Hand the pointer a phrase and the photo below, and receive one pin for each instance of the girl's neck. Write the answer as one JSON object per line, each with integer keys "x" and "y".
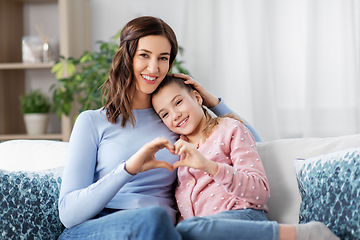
{"x": 196, "y": 136}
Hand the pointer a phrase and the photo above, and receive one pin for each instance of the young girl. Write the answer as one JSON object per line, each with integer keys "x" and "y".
{"x": 221, "y": 179}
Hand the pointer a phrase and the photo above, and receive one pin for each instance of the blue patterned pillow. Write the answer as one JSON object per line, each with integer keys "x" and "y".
{"x": 29, "y": 205}
{"x": 330, "y": 189}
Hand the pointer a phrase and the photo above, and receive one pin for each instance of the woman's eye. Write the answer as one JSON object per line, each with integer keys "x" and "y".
{"x": 143, "y": 55}
{"x": 164, "y": 58}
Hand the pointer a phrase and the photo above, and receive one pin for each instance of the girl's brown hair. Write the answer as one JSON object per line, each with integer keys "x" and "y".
{"x": 118, "y": 89}
{"x": 211, "y": 122}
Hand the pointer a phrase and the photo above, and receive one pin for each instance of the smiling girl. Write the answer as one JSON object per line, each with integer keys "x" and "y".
{"x": 222, "y": 186}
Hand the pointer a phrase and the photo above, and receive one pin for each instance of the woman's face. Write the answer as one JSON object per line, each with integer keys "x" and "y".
{"x": 151, "y": 63}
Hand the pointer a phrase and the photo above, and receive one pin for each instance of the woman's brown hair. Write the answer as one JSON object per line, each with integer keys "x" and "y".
{"x": 118, "y": 89}
{"x": 211, "y": 122}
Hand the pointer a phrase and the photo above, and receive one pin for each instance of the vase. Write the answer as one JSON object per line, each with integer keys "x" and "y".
{"x": 35, "y": 123}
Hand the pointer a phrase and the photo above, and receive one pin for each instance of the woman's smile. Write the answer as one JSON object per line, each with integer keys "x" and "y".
{"x": 149, "y": 79}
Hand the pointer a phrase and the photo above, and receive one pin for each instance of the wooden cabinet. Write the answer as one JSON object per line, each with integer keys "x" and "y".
{"x": 74, "y": 38}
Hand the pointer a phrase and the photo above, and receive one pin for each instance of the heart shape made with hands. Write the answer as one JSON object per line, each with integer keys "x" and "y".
{"x": 189, "y": 155}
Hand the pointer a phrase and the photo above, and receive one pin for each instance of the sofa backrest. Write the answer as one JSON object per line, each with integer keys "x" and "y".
{"x": 32, "y": 155}
{"x": 278, "y": 156}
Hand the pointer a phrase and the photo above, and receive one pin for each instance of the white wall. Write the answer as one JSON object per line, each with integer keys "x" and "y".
{"x": 261, "y": 47}
{"x": 109, "y": 16}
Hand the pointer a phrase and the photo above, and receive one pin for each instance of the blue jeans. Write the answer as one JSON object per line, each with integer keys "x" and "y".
{"x": 244, "y": 224}
{"x": 143, "y": 223}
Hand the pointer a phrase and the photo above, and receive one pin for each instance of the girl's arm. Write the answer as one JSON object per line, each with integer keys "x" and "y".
{"x": 80, "y": 198}
{"x": 216, "y": 105}
{"x": 191, "y": 157}
{"x": 245, "y": 177}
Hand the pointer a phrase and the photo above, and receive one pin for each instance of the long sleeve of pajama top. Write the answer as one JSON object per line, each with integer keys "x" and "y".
{"x": 94, "y": 175}
{"x": 239, "y": 183}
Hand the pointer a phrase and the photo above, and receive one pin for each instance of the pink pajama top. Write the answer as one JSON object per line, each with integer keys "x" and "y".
{"x": 239, "y": 183}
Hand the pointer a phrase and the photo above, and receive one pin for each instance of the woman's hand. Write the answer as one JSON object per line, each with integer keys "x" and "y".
{"x": 191, "y": 157}
{"x": 209, "y": 100}
{"x": 144, "y": 159}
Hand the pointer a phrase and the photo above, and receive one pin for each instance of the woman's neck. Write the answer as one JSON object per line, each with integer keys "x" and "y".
{"x": 141, "y": 100}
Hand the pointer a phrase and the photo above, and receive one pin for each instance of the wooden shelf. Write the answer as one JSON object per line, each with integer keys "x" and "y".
{"x": 74, "y": 26}
{"x": 36, "y": 1}
{"x": 25, "y": 136}
{"x": 22, "y": 65}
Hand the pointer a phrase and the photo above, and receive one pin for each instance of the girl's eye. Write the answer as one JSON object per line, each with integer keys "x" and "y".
{"x": 164, "y": 115}
{"x": 178, "y": 102}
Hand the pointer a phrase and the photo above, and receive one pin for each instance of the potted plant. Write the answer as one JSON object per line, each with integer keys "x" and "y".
{"x": 35, "y": 107}
{"x": 85, "y": 76}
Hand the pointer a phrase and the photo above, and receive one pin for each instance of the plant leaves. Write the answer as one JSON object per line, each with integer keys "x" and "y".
{"x": 70, "y": 68}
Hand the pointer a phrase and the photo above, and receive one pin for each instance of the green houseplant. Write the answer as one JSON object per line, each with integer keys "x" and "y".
{"x": 85, "y": 76}
{"x": 35, "y": 107}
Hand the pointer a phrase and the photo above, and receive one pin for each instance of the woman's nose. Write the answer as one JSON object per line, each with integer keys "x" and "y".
{"x": 153, "y": 66}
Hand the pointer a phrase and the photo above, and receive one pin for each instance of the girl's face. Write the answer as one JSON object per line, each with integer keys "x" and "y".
{"x": 180, "y": 110}
{"x": 151, "y": 63}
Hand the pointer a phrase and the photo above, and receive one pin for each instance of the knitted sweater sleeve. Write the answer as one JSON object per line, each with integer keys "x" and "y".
{"x": 245, "y": 178}
{"x": 80, "y": 198}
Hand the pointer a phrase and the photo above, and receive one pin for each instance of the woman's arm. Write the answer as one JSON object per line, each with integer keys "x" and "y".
{"x": 222, "y": 109}
{"x": 80, "y": 198}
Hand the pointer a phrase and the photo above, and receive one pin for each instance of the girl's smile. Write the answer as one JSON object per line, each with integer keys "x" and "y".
{"x": 183, "y": 122}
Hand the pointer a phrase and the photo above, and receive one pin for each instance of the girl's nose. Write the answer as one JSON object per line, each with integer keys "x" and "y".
{"x": 177, "y": 115}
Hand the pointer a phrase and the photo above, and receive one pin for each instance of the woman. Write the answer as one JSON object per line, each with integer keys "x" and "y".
{"x": 112, "y": 188}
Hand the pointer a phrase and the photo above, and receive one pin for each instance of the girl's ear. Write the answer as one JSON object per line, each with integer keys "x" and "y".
{"x": 198, "y": 97}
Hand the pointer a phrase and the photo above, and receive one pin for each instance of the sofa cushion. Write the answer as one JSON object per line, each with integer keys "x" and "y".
{"x": 330, "y": 190}
{"x": 30, "y": 177}
{"x": 277, "y": 157}
{"x": 32, "y": 155}
{"x": 29, "y": 205}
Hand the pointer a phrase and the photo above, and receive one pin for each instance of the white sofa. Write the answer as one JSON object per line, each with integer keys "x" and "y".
{"x": 278, "y": 159}
{"x": 43, "y": 156}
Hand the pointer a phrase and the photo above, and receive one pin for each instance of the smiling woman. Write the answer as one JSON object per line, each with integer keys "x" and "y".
{"x": 151, "y": 64}
{"x": 103, "y": 193}
{"x": 124, "y": 63}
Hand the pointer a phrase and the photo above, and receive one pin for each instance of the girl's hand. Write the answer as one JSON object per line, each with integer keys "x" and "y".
{"x": 209, "y": 100}
{"x": 191, "y": 157}
{"x": 144, "y": 159}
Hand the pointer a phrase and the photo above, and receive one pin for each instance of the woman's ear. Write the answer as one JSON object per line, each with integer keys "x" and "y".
{"x": 198, "y": 97}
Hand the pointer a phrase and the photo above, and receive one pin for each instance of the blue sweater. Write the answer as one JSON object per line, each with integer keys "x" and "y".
{"x": 94, "y": 176}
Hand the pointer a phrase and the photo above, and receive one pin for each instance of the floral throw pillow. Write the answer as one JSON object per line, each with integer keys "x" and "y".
{"x": 29, "y": 205}
{"x": 330, "y": 189}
